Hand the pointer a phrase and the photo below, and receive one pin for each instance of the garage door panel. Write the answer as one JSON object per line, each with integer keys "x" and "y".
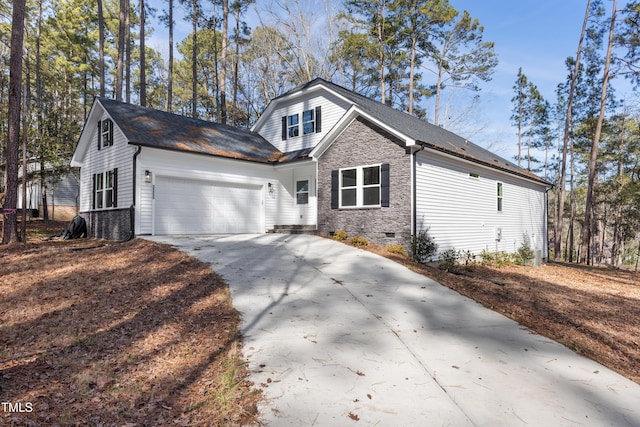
{"x": 185, "y": 206}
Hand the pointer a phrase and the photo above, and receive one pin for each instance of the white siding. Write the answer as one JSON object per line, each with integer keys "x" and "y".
{"x": 281, "y": 207}
{"x": 277, "y": 206}
{"x": 119, "y": 155}
{"x": 333, "y": 108}
{"x": 461, "y": 211}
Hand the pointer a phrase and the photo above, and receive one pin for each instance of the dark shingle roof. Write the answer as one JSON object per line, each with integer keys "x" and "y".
{"x": 159, "y": 129}
{"x": 425, "y": 133}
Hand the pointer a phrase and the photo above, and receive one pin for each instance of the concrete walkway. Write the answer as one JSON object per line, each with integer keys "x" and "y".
{"x": 337, "y": 336}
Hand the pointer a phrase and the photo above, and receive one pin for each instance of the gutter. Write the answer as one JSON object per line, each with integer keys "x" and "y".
{"x": 484, "y": 163}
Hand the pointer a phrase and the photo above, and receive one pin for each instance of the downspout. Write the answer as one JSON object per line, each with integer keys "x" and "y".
{"x": 414, "y": 209}
{"x": 414, "y": 186}
{"x": 546, "y": 219}
{"x": 132, "y": 209}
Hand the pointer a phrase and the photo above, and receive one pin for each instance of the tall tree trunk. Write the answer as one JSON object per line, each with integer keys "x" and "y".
{"x": 170, "y": 79}
{"x": 25, "y": 125}
{"x": 572, "y": 202}
{"x": 194, "y": 52}
{"x": 10, "y": 232}
{"x": 101, "y": 46}
{"x": 120, "y": 60}
{"x": 381, "y": 55}
{"x": 412, "y": 66}
{"x": 40, "y": 115}
{"x": 563, "y": 162}
{"x": 143, "y": 63}
{"x": 436, "y": 113}
{"x": 236, "y": 60}
{"x": 593, "y": 160}
{"x": 127, "y": 49}
{"x": 223, "y": 59}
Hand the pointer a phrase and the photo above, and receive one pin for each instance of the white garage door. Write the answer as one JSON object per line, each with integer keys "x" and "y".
{"x": 184, "y": 206}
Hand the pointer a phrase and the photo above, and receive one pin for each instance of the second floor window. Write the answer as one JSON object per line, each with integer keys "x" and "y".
{"x": 308, "y": 122}
{"x": 292, "y": 126}
{"x": 105, "y": 133}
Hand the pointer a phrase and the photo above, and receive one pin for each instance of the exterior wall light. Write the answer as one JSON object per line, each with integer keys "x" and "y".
{"x": 147, "y": 176}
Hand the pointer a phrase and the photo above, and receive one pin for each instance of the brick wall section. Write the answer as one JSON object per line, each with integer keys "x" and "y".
{"x": 112, "y": 224}
{"x": 363, "y": 143}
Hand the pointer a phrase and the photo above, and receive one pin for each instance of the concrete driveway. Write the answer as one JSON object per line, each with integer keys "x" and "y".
{"x": 337, "y": 336}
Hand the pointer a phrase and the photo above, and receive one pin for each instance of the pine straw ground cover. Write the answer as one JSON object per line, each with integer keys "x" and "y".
{"x": 120, "y": 334}
{"x": 593, "y": 311}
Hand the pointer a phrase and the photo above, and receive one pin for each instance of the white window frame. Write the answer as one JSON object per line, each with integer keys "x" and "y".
{"x": 106, "y": 133}
{"x": 293, "y": 129}
{"x": 360, "y": 187}
{"x": 300, "y": 192}
{"x": 499, "y": 196}
{"x": 104, "y": 192}
{"x": 310, "y": 121}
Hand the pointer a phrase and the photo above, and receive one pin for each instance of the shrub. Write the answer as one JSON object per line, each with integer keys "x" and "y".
{"x": 340, "y": 235}
{"x": 359, "y": 241}
{"x": 395, "y": 249}
{"x": 422, "y": 246}
{"x": 525, "y": 254}
{"x": 448, "y": 259}
{"x": 495, "y": 259}
{"x": 467, "y": 259}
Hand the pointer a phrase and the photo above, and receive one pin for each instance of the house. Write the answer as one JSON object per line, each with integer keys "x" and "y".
{"x": 321, "y": 157}
{"x": 61, "y": 191}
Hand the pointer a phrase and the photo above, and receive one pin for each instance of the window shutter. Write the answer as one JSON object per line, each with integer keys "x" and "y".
{"x": 318, "y": 119}
{"x": 284, "y": 128}
{"x": 384, "y": 185}
{"x": 93, "y": 194}
{"x": 115, "y": 188}
{"x": 335, "y": 189}
{"x": 99, "y": 136}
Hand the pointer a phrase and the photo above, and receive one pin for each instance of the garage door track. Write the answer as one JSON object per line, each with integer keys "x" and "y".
{"x": 339, "y": 336}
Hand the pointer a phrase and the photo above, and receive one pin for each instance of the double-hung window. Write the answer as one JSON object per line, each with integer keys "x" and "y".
{"x": 302, "y": 192}
{"x": 308, "y": 122}
{"x": 105, "y": 189}
{"x": 105, "y": 133}
{"x": 293, "y": 129}
{"x": 360, "y": 186}
{"x": 499, "y": 194}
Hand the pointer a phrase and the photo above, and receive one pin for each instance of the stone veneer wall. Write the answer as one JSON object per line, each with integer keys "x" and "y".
{"x": 363, "y": 143}
{"x": 111, "y": 224}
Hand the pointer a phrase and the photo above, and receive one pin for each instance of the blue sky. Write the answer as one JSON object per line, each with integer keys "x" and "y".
{"x": 535, "y": 35}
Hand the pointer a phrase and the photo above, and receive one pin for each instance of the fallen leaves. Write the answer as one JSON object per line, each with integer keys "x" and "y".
{"x": 135, "y": 333}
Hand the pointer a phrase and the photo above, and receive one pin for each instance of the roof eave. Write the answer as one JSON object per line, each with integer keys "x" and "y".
{"x": 523, "y": 174}
{"x": 202, "y": 153}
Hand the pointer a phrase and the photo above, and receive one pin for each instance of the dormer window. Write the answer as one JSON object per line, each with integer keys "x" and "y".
{"x": 310, "y": 123}
{"x": 105, "y": 133}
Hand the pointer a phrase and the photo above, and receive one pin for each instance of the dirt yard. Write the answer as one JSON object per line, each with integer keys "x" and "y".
{"x": 125, "y": 334}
